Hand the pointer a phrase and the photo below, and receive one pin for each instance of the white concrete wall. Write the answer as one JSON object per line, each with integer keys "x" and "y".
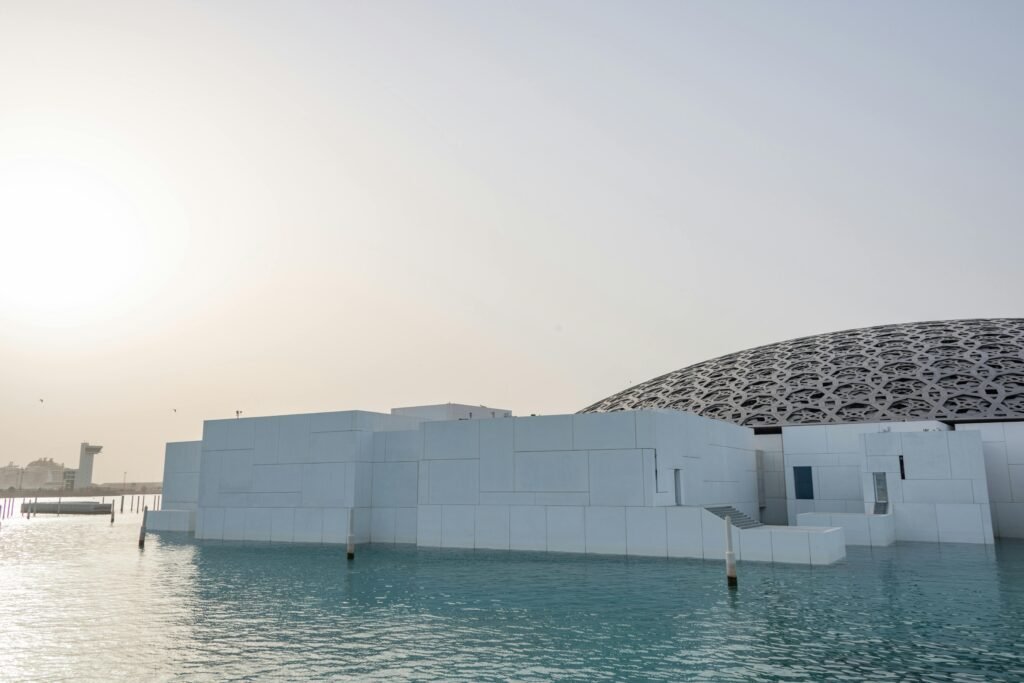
{"x": 1003, "y": 447}
{"x": 858, "y": 528}
{"x": 181, "y": 475}
{"x": 944, "y": 497}
{"x": 835, "y": 453}
{"x": 452, "y": 411}
{"x": 180, "y": 498}
{"x": 598, "y": 483}
{"x": 292, "y": 478}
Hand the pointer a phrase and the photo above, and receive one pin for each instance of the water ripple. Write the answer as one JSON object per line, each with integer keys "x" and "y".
{"x": 78, "y": 600}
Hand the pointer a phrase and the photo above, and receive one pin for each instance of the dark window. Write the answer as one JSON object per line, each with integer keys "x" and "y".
{"x": 803, "y": 483}
{"x": 903, "y": 471}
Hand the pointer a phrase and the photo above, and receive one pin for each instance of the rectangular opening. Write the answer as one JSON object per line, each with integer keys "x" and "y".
{"x": 803, "y": 483}
{"x": 881, "y": 488}
{"x": 903, "y": 471}
{"x": 679, "y": 486}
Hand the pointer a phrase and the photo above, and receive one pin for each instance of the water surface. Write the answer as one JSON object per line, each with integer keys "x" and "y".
{"x": 78, "y": 600}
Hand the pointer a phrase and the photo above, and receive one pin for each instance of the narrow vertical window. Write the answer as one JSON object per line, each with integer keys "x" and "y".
{"x": 903, "y": 471}
{"x": 803, "y": 483}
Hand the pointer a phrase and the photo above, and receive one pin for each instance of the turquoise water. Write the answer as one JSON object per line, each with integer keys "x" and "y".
{"x": 79, "y": 600}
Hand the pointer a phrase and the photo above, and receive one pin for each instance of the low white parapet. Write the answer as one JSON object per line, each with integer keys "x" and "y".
{"x": 781, "y": 544}
{"x": 793, "y": 545}
{"x": 171, "y": 520}
{"x": 860, "y": 528}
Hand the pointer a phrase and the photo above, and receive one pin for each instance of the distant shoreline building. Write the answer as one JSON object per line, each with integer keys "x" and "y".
{"x": 45, "y": 474}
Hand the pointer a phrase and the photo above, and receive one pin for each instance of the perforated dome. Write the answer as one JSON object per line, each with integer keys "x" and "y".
{"x": 956, "y": 370}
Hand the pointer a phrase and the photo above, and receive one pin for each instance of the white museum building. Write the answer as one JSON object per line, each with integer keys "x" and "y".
{"x": 866, "y": 437}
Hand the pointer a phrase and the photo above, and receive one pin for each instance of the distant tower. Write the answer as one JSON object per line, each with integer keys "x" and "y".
{"x": 83, "y": 478}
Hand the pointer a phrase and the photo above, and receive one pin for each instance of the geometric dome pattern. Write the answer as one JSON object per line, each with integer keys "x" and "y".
{"x": 955, "y": 370}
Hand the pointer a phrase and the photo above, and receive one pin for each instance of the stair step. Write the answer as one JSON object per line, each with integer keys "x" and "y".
{"x": 736, "y": 518}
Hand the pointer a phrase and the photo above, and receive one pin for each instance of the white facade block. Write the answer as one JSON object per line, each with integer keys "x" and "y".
{"x": 566, "y": 530}
{"x": 336, "y": 447}
{"x": 605, "y": 530}
{"x": 551, "y": 471}
{"x": 240, "y": 434}
{"x": 1014, "y": 433}
{"x": 282, "y": 525}
{"x": 215, "y": 435}
{"x": 257, "y": 524}
{"x": 293, "y": 439}
{"x": 343, "y": 421}
{"x": 960, "y": 523}
{"x": 383, "y": 521}
{"x": 277, "y": 478}
{"x": 883, "y": 443}
{"x": 616, "y": 478}
{"x": 593, "y": 431}
{"x": 265, "y": 447}
{"x": 839, "y": 483}
{"x": 395, "y": 484}
{"x": 757, "y": 545}
{"x": 236, "y": 471}
{"x": 848, "y": 438}
{"x": 497, "y": 459}
{"x": 646, "y": 532}
{"x": 451, "y": 440}
{"x": 1008, "y": 519}
{"x": 561, "y": 498}
{"x": 916, "y": 522}
{"x": 403, "y": 446}
{"x": 508, "y": 498}
{"x": 327, "y": 485}
{"x": 492, "y": 527}
{"x": 527, "y": 528}
{"x": 997, "y": 472}
{"x": 234, "y": 524}
{"x": 546, "y": 433}
{"x": 171, "y": 520}
{"x": 458, "y": 526}
{"x": 428, "y": 525}
{"x": 809, "y": 439}
{"x": 684, "y": 535}
{"x": 937, "y": 491}
{"x": 335, "y": 525}
{"x": 827, "y": 547}
{"x": 790, "y": 546}
{"x": 405, "y": 525}
{"x": 926, "y": 455}
{"x": 211, "y": 522}
{"x": 308, "y": 525}
{"x": 1016, "y": 473}
{"x": 882, "y": 529}
{"x": 453, "y": 482}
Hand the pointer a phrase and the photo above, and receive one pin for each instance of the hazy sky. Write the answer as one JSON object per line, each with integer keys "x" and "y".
{"x": 304, "y": 206}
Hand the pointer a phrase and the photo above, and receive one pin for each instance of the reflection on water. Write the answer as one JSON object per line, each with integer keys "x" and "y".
{"x": 78, "y": 599}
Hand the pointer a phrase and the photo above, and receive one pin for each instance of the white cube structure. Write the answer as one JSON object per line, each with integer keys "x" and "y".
{"x": 626, "y": 483}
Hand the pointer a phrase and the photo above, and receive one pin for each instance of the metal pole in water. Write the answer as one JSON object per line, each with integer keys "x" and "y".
{"x": 35, "y": 507}
{"x": 142, "y": 531}
{"x": 58, "y": 506}
{"x": 730, "y": 558}
{"x": 111, "y": 510}
{"x": 351, "y": 539}
{"x": 122, "y": 503}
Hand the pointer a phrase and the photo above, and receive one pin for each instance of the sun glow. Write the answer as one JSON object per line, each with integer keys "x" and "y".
{"x": 74, "y": 246}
